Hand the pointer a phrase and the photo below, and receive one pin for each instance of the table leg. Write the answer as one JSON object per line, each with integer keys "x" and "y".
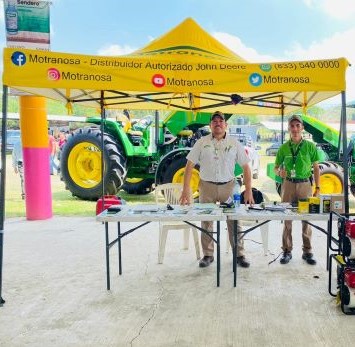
{"x": 328, "y": 242}
{"x": 107, "y": 257}
{"x": 235, "y": 250}
{"x": 264, "y": 230}
{"x": 218, "y": 253}
{"x": 2, "y": 301}
{"x": 119, "y": 248}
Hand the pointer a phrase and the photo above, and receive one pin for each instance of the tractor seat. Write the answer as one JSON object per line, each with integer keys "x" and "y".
{"x": 124, "y": 121}
{"x": 135, "y": 136}
{"x": 186, "y": 133}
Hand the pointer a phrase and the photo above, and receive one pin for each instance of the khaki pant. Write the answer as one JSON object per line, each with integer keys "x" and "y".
{"x": 211, "y": 193}
{"x": 292, "y": 192}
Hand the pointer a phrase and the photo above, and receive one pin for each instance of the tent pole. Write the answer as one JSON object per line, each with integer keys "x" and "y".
{"x": 282, "y": 120}
{"x": 103, "y": 118}
{"x": 2, "y": 182}
{"x": 345, "y": 151}
{"x": 157, "y": 128}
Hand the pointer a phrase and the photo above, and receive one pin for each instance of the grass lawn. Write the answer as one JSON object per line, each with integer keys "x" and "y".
{"x": 64, "y": 204}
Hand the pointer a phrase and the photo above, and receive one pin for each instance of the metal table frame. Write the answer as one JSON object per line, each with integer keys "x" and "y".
{"x": 264, "y": 216}
{"x": 127, "y": 214}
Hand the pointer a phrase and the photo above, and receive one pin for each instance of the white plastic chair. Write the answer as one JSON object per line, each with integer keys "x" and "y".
{"x": 264, "y": 231}
{"x": 171, "y": 193}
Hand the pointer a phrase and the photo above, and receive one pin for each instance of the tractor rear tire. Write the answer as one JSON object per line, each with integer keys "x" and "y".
{"x": 81, "y": 164}
{"x": 138, "y": 186}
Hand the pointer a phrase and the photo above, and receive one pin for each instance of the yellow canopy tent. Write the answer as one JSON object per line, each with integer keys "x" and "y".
{"x": 184, "y": 69}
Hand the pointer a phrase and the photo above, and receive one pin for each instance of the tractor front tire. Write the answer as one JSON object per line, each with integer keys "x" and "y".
{"x": 331, "y": 178}
{"x": 138, "y": 186}
{"x": 352, "y": 189}
{"x": 174, "y": 172}
{"x": 278, "y": 188}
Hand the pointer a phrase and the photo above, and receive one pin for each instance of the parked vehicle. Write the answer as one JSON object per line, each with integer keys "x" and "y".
{"x": 136, "y": 157}
{"x": 272, "y": 150}
{"x": 12, "y": 136}
{"x": 251, "y": 151}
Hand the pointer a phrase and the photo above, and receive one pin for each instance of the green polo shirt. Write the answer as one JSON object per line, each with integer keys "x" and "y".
{"x": 305, "y": 158}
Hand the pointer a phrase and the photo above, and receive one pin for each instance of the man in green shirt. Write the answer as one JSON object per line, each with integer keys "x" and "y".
{"x": 294, "y": 162}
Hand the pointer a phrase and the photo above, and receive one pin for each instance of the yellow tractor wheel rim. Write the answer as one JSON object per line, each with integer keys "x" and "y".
{"x": 195, "y": 180}
{"x": 330, "y": 184}
{"x": 84, "y": 165}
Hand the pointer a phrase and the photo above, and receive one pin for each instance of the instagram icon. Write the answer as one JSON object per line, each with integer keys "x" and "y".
{"x": 53, "y": 74}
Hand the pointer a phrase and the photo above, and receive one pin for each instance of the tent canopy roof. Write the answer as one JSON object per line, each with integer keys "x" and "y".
{"x": 184, "y": 69}
{"x": 188, "y": 38}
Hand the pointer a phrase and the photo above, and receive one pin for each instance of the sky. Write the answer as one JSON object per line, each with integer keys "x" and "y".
{"x": 257, "y": 30}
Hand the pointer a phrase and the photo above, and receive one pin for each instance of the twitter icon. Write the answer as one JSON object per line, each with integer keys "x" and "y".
{"x": 255, "y": 79}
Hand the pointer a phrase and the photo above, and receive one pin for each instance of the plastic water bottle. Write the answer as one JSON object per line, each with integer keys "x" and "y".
{"x": 236, "y": 194}
{"x": 11, "y": 18}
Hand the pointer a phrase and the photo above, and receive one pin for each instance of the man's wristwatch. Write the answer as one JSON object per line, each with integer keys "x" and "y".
{"x": 318, "y": 188}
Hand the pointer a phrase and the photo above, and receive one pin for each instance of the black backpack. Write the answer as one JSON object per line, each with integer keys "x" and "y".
{"x": 257, "y": 195}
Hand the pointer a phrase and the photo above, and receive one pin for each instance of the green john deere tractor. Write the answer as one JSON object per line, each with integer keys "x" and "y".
{"x": 331, "y": 158}
{"x": 135, "y": 158}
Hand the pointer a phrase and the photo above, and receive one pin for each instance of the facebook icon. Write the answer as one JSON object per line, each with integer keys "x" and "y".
{"x": 18, "y": 58}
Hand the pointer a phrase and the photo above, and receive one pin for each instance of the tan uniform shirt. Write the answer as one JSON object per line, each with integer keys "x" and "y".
{"x": 217, "y": 159}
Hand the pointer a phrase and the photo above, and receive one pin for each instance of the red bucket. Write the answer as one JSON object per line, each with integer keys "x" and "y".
{"x": 108, "y": 200}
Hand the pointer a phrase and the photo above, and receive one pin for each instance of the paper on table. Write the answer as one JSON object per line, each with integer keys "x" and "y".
{"x": 204, "y": 206}
{"x": 256, "y": 208}
{"x": 142, "y": 209}
{"x": 179, "y": 210}
{"x": 205, "y": 211}
{"x": 275, "y": 208}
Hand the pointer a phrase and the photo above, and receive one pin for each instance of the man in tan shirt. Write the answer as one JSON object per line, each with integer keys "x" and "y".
{"x": 217, "y": 154}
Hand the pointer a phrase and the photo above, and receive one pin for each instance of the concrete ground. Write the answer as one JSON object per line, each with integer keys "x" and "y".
{"x": 54, "y": 284}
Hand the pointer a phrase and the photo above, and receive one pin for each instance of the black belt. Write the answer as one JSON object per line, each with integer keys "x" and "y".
{"x": 297, "y": 180}
{"x": 218, "y": 183}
